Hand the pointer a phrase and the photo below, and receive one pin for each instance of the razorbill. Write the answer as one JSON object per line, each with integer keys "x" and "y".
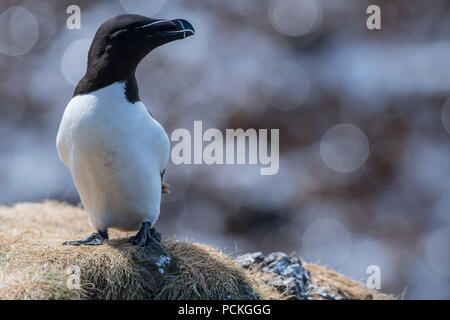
{"x": 115, "y": 150}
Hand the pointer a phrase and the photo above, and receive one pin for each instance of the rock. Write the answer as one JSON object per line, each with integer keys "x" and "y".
{"x": 289, "y": 286}
{"x": 290, "y": 277}
{"x": 323, "y": 293}
{"x": 247, "y": 260}
{"x": 276, "y": 262}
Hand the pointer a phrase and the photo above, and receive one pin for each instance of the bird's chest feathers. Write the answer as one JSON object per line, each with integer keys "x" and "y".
{"x": 103, "y": 127}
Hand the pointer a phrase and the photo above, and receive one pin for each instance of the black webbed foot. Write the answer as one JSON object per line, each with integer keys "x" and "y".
{"x": 146, "y": 235}
{"x": 94, "y": 239}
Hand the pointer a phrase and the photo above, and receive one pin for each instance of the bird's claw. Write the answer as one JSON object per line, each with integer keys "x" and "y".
{"x": 94, "y": 239}
{"x": 145, "y": 236}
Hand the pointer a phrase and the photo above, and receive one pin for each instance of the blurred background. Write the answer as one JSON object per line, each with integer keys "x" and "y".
{"x": 363, "y": 115}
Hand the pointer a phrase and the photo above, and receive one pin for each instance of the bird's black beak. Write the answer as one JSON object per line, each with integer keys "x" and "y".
{"x": 169, "y": 29}
{"x": 185, "y": 28}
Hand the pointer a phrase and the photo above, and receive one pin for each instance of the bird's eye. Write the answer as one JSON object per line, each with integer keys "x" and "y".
{"x": 137, "y": 29}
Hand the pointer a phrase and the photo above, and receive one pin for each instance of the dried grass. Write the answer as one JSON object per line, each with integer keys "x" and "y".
{"x": 337, "y": 284}
{"x": 33, "y": 264}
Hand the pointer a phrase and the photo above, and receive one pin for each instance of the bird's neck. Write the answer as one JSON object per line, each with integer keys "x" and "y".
{"x": 101, "y": 75}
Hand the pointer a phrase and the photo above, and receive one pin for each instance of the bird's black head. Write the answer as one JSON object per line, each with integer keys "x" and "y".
{"x": 128, "y": 38}
{"x": 122, "y": 42}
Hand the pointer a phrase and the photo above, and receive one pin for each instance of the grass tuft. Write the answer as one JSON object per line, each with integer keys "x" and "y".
{"x": 35, "y": 265}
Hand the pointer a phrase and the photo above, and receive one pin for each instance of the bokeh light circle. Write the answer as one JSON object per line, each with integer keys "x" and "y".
{"x": 445, "y": 115}
{"x": 294, "y": 17}
{"x": 144, "y": 7}
{"x": 247, "y": 7}
{"x": 326, "y": 241}
{"x": 19, "y": 31}
{"x": 74, "y": 60}
{"x": 344, "y": 148}
{"x": 437, "y": 251}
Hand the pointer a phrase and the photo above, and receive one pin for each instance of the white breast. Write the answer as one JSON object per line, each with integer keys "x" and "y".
{"x": 116, "y": 152}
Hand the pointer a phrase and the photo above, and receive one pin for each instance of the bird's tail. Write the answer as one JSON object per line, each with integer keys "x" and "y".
{"x": 165, "y": 187}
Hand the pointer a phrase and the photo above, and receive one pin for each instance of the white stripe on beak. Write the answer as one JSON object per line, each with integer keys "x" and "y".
{"x": 151, "y": 24}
